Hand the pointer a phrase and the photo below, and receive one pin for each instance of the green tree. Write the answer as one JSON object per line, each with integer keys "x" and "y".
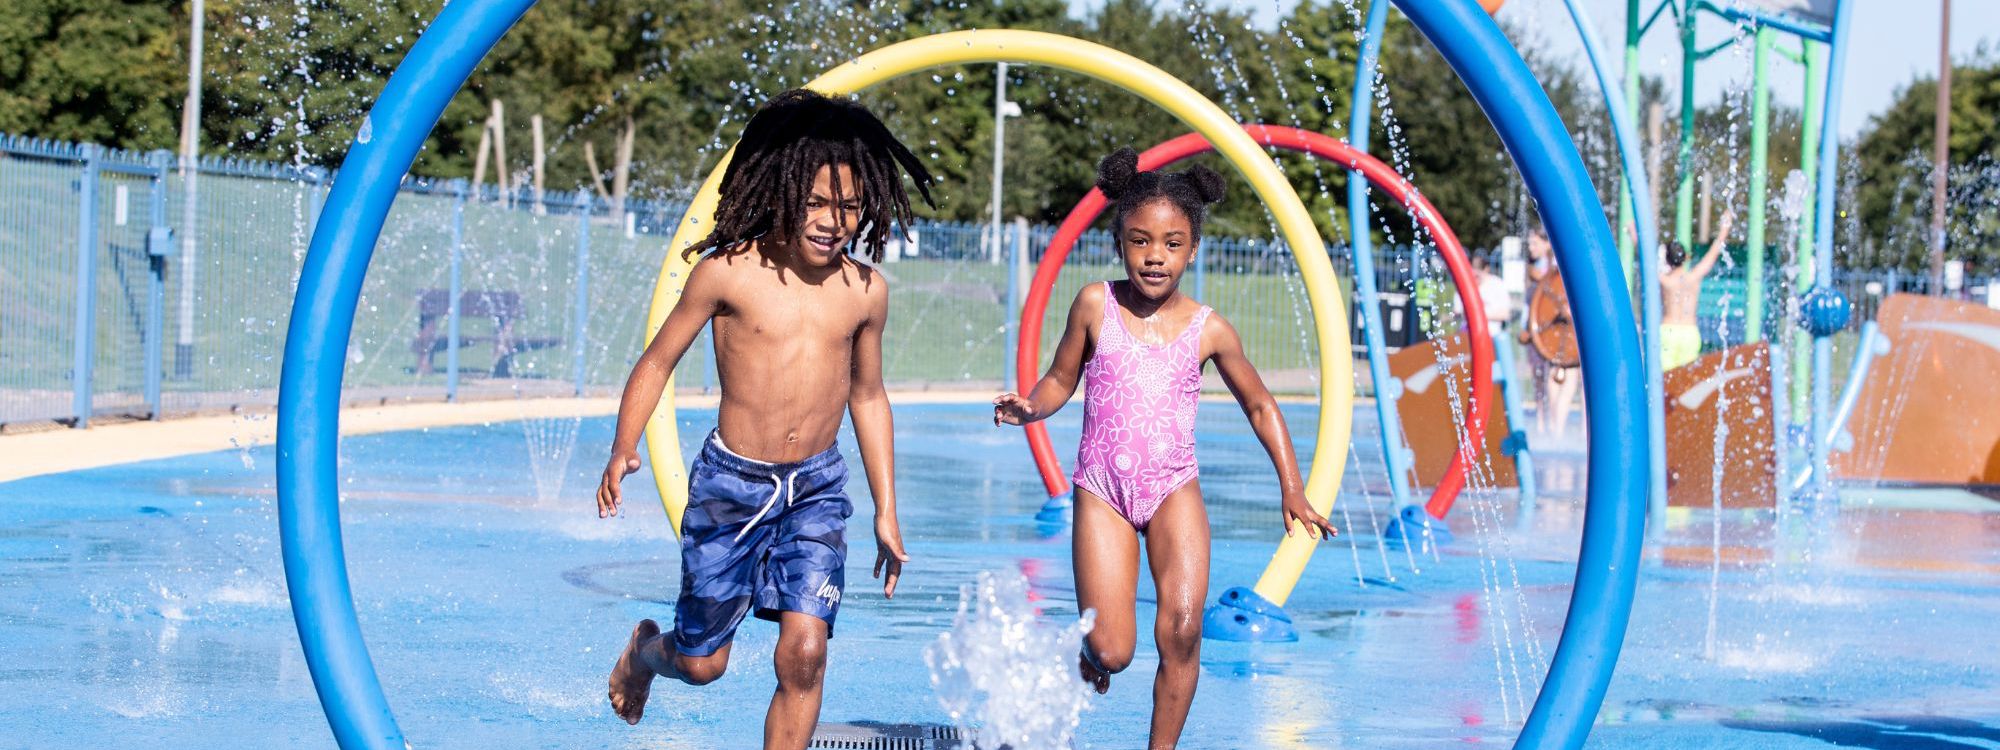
{"x": 106, "y": 71}
{"x": 292, "y": 83}
{"x": 593, "y": 68}
{"x": 1722, "y": 157}
{"x": 1430, "y": 129}
{"x": 1893, "y": 194}
{"x": 1317, "y": 46}
{"x": 946, "y": 115}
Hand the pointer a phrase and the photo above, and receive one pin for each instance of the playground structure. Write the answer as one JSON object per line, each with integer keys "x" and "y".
{"x": 1610, "y": 354}
{"x": 415, "y": 96}
{"x": 1823, "y": 310}
{"x": 1779, "y": 451}
{"x": 1765, "y": 601}
{"x": 1635, "y": 239}
{"x": 1722, "y": 398}
{"x": 1908, "y": 433}
{"x": 1943, "y": 433}
{"x": 1751, "y": 455}
{"x": 1426, "y": 373}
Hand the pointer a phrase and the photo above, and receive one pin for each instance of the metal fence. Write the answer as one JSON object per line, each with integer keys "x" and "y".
{"x": 131, "y": 286}
{"x": 1722, "y": 313}
{"x": 82, "y": 271}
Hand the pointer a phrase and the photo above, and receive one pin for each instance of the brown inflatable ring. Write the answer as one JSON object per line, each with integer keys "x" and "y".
{"x": 1550, "y": 329}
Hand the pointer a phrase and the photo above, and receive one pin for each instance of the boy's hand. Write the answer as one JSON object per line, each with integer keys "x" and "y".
{"x": 1296, "y": 509}
{"x": 1728, "y": 223}
{"x": 623, "y": 462}
{"x": 1010, "y": 408}
{"x": 889, "y": 555}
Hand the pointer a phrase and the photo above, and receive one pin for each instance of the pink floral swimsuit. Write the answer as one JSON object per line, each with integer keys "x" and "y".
{"x": 1138, "y": 416}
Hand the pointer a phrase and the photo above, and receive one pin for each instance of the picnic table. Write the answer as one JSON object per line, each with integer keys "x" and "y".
{"x": 502, "y": 307}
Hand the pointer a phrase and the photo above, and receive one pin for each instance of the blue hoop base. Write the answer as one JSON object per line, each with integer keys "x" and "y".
{"x": 1416, "y": 526}
{"x": 1056, "y": 510}
{"x": 1242, "y": 615}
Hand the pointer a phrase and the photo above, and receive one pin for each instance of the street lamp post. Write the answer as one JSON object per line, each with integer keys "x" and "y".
{"x": 997, "y": 232}
{"x": 1941, "y": 150}
{"x": 190, "y": 173}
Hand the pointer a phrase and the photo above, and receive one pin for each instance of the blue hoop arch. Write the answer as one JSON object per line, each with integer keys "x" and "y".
{"x": 444, "y": 56}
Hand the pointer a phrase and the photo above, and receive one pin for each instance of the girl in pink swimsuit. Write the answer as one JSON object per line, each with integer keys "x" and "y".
{"x": 1138, "y": 346}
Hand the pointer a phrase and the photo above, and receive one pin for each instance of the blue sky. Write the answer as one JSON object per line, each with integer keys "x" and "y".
{"x": 1894, "y": 42}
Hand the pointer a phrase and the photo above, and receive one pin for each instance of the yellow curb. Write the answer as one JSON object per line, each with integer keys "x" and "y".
{"x": 57, "y": 451}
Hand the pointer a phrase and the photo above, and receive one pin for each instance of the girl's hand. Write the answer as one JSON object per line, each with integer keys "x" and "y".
{"x": 1010, "y": 408}
{"x": 1296, "y": 509}
{"x": 623, "y": 462}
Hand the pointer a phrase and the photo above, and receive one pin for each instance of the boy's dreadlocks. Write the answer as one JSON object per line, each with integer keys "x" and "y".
{"x": 785, "y": 144}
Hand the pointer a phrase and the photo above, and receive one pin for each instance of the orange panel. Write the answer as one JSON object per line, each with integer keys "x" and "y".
{"x": 1732, "y": 387}
{"x": 1928, "y": 413}
{"x": 1429, "y": 423}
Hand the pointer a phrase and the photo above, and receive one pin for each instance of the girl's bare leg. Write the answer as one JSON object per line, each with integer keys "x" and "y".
{"x": 1546, "y": 398}
{"x": 1105, "y": 552}
{"x": 1566, "y": 398}
{"x": 1177, "y": 550}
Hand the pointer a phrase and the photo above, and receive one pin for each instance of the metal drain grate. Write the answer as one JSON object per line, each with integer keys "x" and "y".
{"x": 872, "y": 736}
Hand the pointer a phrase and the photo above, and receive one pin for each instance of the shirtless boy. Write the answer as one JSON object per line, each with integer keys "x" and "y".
{"x": 798, "y": 339}
{"x": 1680, "y": 295}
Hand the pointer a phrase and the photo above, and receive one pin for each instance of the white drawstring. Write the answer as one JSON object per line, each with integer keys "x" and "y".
{"x": 787, "y": 487}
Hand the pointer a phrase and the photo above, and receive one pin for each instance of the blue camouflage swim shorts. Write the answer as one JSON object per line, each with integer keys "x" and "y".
{"x": 772, "y": 537}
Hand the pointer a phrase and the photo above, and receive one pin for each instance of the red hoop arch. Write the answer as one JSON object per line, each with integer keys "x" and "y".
{"x": 1028, "y": 355}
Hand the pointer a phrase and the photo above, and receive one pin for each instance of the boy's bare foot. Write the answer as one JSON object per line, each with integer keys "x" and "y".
{"x": 1099, "y": 679}
{"x": 631, "y": 679}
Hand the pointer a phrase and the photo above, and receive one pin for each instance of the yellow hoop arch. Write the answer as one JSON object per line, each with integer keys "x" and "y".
{"x": 1329, "y": 312}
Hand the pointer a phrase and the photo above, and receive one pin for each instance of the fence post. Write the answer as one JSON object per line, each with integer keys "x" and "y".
{"x": 316, "y": 177}
{"x": 1017, "y": 255}
{"x": 578, "y": 347}
{"x": 457, "y": 290}
{"x": 1201, "y": 276}
{"x": 190, "y": 168}
{"x": 159, "y": 244}
{"x": 86, "y": 288}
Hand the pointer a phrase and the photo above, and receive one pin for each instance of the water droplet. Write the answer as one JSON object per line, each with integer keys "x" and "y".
{"x": 367, "y": 132}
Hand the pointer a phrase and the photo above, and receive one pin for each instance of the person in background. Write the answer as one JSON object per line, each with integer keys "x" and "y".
{"x": 1680, "y": 296}
{"x": 1557, "y": 386}
{"x": 1433, "y": 299}
{"x": 1493, "y": 295}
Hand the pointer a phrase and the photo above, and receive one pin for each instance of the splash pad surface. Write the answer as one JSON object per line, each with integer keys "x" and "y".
{"x": 147, "y": 607}
{"x": 1499, "y": 79}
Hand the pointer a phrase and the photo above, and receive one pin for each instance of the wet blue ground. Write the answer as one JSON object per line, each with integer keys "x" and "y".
{"x": 144, "y": 605}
